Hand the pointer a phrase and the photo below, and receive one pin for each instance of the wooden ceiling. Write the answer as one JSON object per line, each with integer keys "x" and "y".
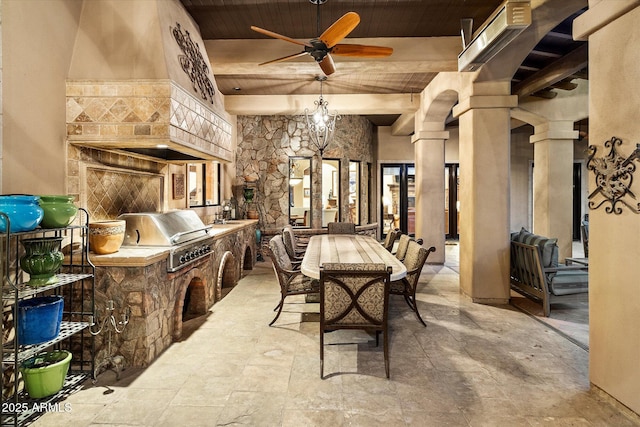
{"x": 425, "y": 35}
{"x": 232, "y": 19}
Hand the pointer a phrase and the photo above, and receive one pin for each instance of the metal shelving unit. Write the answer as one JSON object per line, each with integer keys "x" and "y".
{"x": 76, "y": 285}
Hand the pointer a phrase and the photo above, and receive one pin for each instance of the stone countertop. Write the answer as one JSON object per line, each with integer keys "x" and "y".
{"x": 142, "y": 256}
{"x": 231, "y": 226}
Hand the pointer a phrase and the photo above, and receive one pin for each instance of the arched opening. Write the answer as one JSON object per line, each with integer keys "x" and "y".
{"x": 247, "y": 262}
{"x": 194, "y": 300}
{"x": 227, "y": 275}
{"x": 191, "y": 300}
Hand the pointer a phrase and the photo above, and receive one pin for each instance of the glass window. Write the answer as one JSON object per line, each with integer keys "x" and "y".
{"x": 354, "y": 192}
{"x": 204, "y": 184}
{"x": 390, "y": 189}
{"x": 300, "y": 191}
{"x": 330, "y": 191}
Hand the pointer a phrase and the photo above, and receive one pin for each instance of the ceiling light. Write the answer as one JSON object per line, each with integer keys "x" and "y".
{"x": 320, "y": 123}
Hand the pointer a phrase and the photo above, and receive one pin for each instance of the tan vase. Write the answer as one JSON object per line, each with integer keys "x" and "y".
{"x": 106, "y": 237}
{"x": 252, "y": 214}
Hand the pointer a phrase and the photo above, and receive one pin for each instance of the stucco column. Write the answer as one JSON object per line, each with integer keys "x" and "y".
{"x": 614, "y": 240}
{"x": 429, "y": 164}
{"x": 485, "y": 132}
{"x": 553, "y": 182}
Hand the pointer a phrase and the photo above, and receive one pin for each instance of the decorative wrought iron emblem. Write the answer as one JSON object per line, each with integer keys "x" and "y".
{"x": 614, "y": 176}
{"x": 193, "y": 63}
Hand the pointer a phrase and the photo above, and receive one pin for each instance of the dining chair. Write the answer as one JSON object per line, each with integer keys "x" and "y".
{"x": 341, "y": 228}
{"x": 414, "y": 261}
{"x": 289, "y": 241}
{"x": 292, "y": 282}
{"x": 390, "y": 239}
{"x": 403, "y": 245}
{"x": 355, "y": 296}
{"x": 301, "y": 243}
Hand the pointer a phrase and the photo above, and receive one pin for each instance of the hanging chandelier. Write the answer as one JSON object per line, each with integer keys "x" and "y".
{"x": 320, "y": 123}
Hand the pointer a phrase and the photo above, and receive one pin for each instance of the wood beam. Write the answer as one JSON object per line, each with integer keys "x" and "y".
{"x": 359, "y": 104}
{"x": 554, "y": 72}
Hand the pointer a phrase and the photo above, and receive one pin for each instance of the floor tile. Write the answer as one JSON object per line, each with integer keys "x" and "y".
{"x": 473, "y": 365}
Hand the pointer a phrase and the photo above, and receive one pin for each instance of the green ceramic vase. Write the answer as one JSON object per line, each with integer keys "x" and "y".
{"x": 59, "y": 211}
{"x": 41, "y": 260}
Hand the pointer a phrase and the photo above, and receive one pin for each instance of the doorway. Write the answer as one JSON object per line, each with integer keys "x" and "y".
{"x": 577, "y": 200}
{"x": 452, "y": 201}
{"x": 398, "y": 197}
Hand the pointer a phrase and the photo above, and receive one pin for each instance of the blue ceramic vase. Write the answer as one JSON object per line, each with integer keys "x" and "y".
{"x": 23, "y": 211}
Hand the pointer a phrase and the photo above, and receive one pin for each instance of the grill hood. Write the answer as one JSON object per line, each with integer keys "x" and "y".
{"x": 162, "y": 229}
{"x": 130, "y": 84}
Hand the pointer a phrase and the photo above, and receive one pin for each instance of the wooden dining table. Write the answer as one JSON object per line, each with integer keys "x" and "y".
{"x": 347, "y": 248}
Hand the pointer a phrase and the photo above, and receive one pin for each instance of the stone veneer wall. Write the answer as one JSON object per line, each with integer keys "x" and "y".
{"x": 156, "y": 297}
{"x": 264, "y": 146}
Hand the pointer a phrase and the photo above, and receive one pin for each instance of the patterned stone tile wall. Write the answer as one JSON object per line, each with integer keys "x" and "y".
{"x": 116, "y": 111}
{"x": 111, "y": 193}
{"x": 113, "y": 183}
{"x": 264, "y": 146}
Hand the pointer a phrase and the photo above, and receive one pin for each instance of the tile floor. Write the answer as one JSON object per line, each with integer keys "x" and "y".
{"x": 474, "y": 365}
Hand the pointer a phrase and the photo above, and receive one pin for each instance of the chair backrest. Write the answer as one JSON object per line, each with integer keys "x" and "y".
{"x": 354, "y": 296}
{"x": 279, "y": 258}
{"x": 392, "y": 235}
{"x": 341, "y": 228}
{"x": 584, "y": 231}
{"x": 415, "y": 260}
{"x": 403, "y": 245}
{"x": 289, "y": 241}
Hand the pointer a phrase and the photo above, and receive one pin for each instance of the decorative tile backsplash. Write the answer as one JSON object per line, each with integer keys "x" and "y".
{"x": 111, "y": 193}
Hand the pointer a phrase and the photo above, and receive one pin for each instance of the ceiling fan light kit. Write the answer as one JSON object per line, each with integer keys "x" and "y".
{"x": 328, "y": 43}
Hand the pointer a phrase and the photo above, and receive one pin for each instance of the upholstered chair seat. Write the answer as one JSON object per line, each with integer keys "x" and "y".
{"x": 354, "y": 296}
{"x": 414, "y": 261}
{"x": 292, "y": 281}
{"x": 341, "y": 228}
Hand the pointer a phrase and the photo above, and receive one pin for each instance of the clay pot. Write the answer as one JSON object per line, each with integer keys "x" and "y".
{"x": 59, "y": 211}
{"x": 106, "y": 237}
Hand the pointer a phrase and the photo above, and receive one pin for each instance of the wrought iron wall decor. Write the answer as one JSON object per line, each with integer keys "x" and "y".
{"x": 614, "y": 176}
{"x": 193, "y": 63}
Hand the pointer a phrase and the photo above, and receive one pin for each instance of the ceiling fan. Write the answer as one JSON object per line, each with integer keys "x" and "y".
{"x": 328, "y": 43}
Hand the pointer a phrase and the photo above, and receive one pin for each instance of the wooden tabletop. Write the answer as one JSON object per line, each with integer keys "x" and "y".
{"x": 347, "y": 248}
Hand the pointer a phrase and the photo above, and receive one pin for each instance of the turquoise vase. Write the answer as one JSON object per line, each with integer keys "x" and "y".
{"x": 23, "y": 211}
{"x": 41, "y": 260}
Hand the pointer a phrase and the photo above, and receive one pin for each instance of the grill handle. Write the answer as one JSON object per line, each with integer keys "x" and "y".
{"x": 176, "y": 237}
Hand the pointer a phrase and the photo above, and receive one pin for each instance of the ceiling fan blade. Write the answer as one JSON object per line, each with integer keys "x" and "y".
{"x": 279, "y": 36}
{"x": 285, "y": 58}
{"x": 361, "y": 50}
{"x": 327, "y": 65}
{"x": 340, "y": 29}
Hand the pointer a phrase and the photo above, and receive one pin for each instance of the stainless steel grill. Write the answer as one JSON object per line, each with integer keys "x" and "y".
{"x": 181, "y": 230}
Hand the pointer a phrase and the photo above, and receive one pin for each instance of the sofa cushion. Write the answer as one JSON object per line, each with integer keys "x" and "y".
{"x": 548, "y": 246}
{"x": 569, "y": 282}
